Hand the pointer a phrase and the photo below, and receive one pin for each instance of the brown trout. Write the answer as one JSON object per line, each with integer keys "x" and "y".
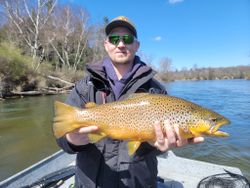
{"x": 133, "y": 119}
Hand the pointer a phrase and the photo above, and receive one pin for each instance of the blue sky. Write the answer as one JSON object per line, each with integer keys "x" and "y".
{"x": 208, "y": 33}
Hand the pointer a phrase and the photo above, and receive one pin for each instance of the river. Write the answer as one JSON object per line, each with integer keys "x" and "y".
{"x": 26, "y": 133}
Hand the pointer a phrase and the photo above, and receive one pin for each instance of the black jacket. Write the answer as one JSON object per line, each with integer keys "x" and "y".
{"x": 107, "y": 163}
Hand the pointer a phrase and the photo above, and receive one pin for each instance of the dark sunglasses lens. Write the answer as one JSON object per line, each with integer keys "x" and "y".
{"x": 114, "y": 39}
{"x": 128, "y": 39}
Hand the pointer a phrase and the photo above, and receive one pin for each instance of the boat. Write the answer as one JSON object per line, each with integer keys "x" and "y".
{"x": 57, "y": 170}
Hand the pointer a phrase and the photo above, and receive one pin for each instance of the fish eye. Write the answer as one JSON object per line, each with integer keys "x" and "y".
{"x": 214, "y": 119}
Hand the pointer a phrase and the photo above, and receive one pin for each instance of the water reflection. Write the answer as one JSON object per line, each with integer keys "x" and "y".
{"x": 25, "y": 132}
{"x": 231, "y": 98}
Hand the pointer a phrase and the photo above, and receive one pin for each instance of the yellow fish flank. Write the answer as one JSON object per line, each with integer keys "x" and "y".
{"x": 133, "y": 119}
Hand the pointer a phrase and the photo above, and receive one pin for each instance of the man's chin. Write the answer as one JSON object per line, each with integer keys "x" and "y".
{"x": 121, "y": 60}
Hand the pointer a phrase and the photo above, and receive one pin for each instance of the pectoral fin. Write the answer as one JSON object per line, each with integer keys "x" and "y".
{"x": 199, "y": 129}
{"x": 133, "y": 146}
{"x": 195, "y": 132}
{"x": 184, "y": 134}
{"x": 93, "y": 138}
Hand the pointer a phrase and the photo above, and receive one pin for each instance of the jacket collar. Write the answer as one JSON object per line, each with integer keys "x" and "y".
{"x": 97, "y": 70}
{"x": 140, "y": 77}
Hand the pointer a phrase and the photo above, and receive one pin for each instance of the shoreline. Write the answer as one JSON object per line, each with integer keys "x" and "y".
{"x": 66, "y": 90}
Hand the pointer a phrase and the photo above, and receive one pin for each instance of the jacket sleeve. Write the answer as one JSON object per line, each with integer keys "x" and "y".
{"x": 78, "y": 97}
{"x": 157, "y": 87}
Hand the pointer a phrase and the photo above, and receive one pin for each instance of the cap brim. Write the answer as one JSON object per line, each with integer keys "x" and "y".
{"x": 120, "y": 23}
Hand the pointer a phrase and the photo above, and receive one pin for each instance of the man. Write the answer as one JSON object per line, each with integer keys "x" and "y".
{"x": 107, "y": 163}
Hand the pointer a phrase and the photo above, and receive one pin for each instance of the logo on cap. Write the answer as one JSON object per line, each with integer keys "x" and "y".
{"x": 122, "y": 18}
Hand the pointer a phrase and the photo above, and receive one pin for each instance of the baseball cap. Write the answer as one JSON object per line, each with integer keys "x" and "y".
{"x": 120, "y": 21}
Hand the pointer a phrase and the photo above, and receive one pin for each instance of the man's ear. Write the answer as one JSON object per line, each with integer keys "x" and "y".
{"x": 137, "y": 45}
{"x": 105, "y": 43}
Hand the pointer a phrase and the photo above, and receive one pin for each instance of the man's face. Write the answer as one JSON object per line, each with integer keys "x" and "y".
{"x": 121, "y": 53}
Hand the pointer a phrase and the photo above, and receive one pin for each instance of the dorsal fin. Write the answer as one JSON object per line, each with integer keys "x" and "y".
{"x": 137, "y": 95}
{"x": 90, "y": 105}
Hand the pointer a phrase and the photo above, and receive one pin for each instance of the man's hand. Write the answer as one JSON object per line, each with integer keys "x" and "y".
{"x": 80, "y": 136}
{"x": 172, "y": 137}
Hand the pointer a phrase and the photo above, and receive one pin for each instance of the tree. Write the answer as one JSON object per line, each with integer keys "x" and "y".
{"x": 68, "y": 34}
{"x": 165, "y": 68}
{"x": 98, "y": 50}
{"x": 211, "y": 74}
{"x": 148, "y": 59}
{"x": 165, "y": 65}
{"x": 27, "y": 19}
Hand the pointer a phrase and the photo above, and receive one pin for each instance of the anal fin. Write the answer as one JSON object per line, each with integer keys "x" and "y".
{"x": 185, "y": 134}
{"x": 194, "y": 132}
{"x": 133, "y": 146}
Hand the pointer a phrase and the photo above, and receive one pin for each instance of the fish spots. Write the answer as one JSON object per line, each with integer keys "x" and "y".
{"x": 132, "y": 105}
{"x": 137, "y": 115}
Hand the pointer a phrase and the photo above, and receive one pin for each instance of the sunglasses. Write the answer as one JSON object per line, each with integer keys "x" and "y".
{"x": 127, "y": 39}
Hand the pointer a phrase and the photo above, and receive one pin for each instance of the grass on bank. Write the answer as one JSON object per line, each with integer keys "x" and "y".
{"x": 17, "y": 72}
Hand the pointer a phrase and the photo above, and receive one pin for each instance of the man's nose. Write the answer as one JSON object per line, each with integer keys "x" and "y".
{"x": 120, "y": 43}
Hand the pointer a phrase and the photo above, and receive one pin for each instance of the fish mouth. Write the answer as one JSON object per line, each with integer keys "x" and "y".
{"x": 214, "y": 130}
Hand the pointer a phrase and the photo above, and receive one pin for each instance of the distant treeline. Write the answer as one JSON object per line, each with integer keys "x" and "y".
{"x": 237, "y": 72}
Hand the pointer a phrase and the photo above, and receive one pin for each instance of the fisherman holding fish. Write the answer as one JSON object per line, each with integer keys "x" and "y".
{"x": 103, "y": 161}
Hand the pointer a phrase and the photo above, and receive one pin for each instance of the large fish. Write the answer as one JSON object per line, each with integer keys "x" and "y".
{"x": 133, "y": 119}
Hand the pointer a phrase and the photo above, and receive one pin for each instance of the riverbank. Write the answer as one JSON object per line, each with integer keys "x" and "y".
{"x": 68, "y": 86}
{"x": 20, "y": 77}
{"x": 210, "y": 73}
{"x": 60, "y": 86}
{"x": 46, "y": 92}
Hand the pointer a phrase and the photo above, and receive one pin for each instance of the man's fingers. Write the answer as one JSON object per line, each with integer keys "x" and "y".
{"x": 196, "y": 140}
{"x": 170, "y": 133}
{"x": 158, "y": 133}
{"x": 80, "y": 136}
{"x": 89, "y": 129}
{"x": 171, "y": 137}
{"x": 181, "y": 141}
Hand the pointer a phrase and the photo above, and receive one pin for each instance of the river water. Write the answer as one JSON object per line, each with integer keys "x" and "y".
{"x": 26, "y": 133}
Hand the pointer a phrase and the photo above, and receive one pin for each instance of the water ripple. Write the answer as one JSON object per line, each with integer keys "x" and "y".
{"x": 231, "y": 98}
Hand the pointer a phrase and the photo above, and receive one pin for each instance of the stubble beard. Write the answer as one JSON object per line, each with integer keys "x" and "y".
{"x": 123, "y": 60}
{"x": 119, "y": 61}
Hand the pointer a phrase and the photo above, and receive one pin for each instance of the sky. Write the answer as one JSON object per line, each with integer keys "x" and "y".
{"x": 204, "y": 33}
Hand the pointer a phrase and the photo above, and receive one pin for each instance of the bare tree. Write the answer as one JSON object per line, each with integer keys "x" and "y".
{"x": 98, "y": 50}
{"x": 98, "y": 40}
{"x": 28, "y": 18}
{"x": 68, "y": 35}
{"x": 165, "y": 65}
{"x": 148, "y": 59}
{"x": 165, "y": 69}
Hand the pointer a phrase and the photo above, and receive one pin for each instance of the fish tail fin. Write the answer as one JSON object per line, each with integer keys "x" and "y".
{"x": 64, "y": 120}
